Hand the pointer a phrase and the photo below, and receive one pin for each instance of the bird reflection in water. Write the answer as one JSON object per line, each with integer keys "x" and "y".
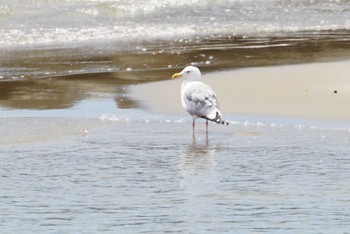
{"x": 199, "y": 155}
{"x": 199, "y": 179}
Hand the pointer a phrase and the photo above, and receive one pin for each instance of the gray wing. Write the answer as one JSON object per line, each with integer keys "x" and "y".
{"x": 200, "y": 100}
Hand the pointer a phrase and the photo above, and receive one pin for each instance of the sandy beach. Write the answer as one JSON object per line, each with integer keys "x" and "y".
{"x": 315, "y": 90}
{"x": 94, "y": 138}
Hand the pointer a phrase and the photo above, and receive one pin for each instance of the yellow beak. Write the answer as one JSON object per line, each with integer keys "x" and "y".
{"x": 177, "y": 75}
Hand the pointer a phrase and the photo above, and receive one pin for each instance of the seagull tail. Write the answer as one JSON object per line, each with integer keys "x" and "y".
{"x": 217, "y": 119}
{"x": 224, "y": 122}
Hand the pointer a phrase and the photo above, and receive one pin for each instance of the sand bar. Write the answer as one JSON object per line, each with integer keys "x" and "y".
{"x": 316, "y": 90}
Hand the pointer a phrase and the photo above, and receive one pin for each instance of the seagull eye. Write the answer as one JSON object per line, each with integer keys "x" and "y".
{"x": 188, "y": 72}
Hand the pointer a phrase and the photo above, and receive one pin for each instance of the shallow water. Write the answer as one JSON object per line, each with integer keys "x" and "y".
{"x": 147, "y": 40}
{"x": 80, "y": 156}
{"x": 156, "y": 60}
{"x": 62, "y": 79}
{"x": 52, "y": 22}
{"x": 105, "y": 175}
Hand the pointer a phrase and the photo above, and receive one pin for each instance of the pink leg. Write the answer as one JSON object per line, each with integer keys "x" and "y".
{"x": 193, "y": 125}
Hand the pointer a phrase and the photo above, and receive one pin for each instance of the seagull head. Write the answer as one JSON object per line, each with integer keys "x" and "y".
{"x": 189, "y": 73}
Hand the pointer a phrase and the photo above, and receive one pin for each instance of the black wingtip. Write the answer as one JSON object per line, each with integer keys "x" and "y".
{"x": 224, "y": 122}
{"x": 217, "y": 119}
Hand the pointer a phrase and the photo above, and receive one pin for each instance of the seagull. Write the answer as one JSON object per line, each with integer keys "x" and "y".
{"x": 198, "y": 98}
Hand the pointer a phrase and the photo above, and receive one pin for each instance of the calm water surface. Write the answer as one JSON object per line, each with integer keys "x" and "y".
{"x": 132, "y": 176}
{"x": 79, "y": 156}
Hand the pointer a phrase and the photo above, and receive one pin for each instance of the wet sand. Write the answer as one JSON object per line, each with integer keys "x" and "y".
{"x": 316, "y": 90}
{"x": 61, "y": 78}
{"x": 80, "y": 154}
{"x": 84, "y": 153}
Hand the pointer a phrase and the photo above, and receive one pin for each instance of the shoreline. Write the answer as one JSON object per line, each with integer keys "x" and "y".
{"x": 153, "y": 60}
{"x": 76, "y": 76}
{"x": 312, "y": 91}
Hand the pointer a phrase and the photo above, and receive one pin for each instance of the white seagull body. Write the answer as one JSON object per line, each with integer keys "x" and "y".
{"x": 198, "y": 98}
